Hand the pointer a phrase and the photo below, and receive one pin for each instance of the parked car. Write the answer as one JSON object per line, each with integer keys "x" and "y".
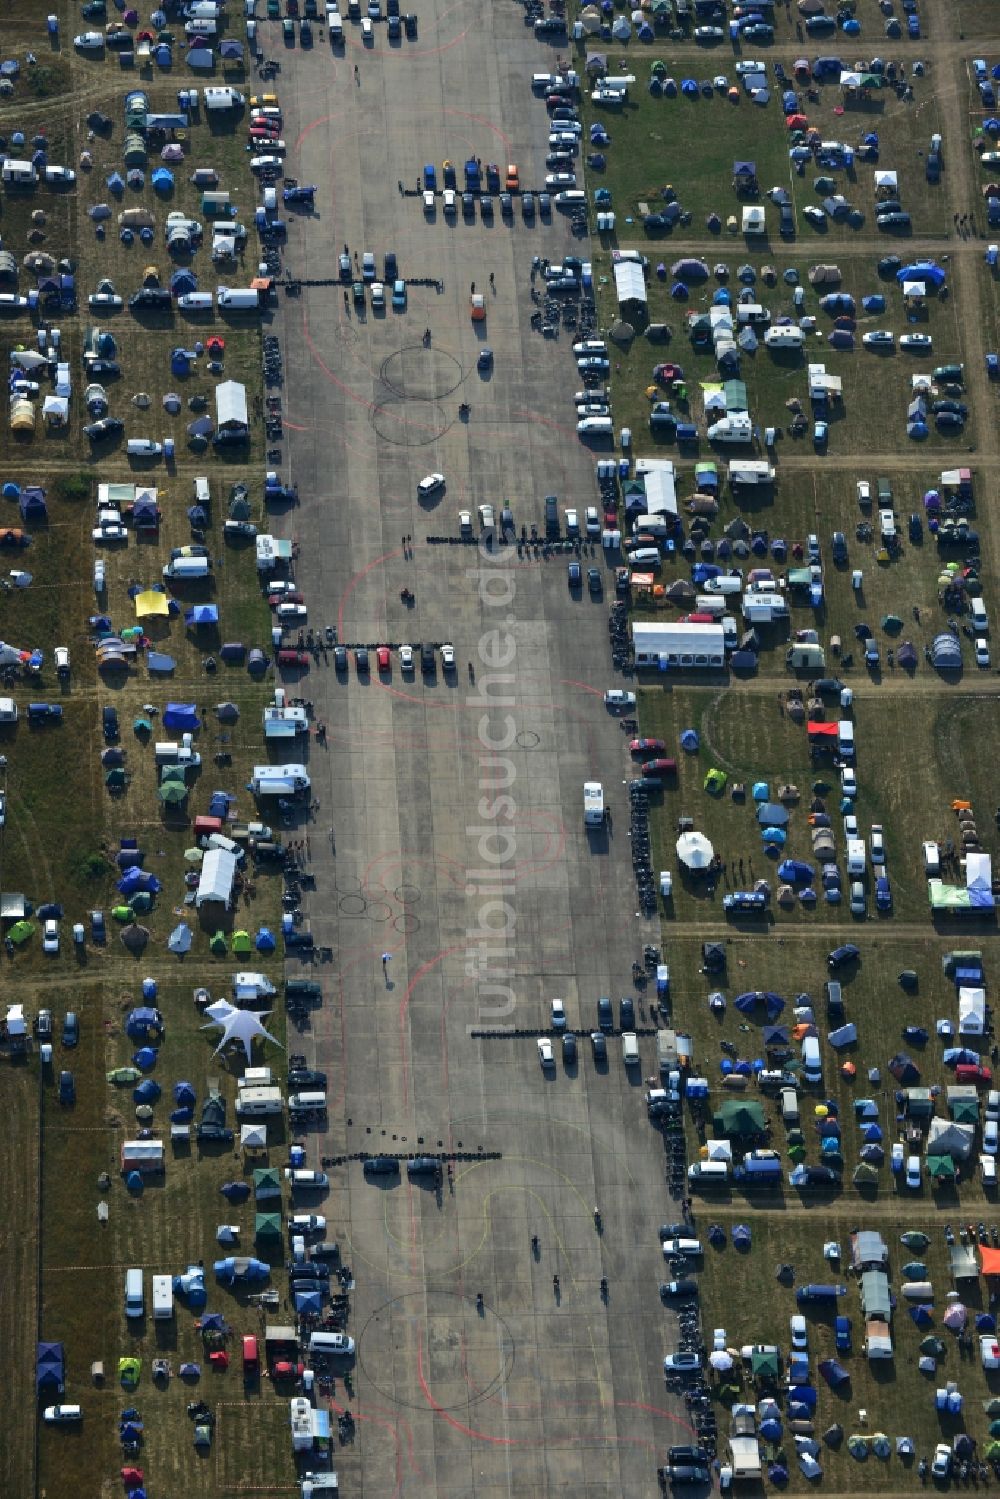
{"x": 71, "y": 1029}
{"x": 682, "y": 1362}
{"x": 546, "y": 1058}
{"x": 558, "y": 1015}
{"x": 381, "y": 1165}
{"x": 67, "y": 1087}
{"x": 50, "y": 936}
{"x": 841, "y": 956}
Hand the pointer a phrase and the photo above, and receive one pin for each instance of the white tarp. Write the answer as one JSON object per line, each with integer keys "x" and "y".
{"x": 218, "y": 871}
{"x": 971, "y": 1011}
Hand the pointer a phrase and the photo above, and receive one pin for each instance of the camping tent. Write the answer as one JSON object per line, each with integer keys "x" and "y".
{"x": 739, "y": 1117}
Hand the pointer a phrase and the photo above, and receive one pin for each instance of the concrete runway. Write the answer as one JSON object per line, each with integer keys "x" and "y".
{"x": 458, "y": 842}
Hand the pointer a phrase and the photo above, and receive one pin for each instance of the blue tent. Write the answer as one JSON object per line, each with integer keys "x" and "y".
{"x": 191, "y": 1285}
{"x": 202, "y": 614}
{"x": 50, "y": 1368}
{"x": 873, "y": 1154}
{"x": 803, "y": 1394}
{"x": 145, "y": 1058}
{"x": 833, "y": 1372}
{"x": 142, "y": 1021}
{"x": 922, "y": 270}
{"x": 794, "y": 871}
{"x": 184, "y": 1093}
{"x": 308, "y": 1302}
{"x": 180, "y": 938}
{"x": 871, "y": 1132}
{"x": 134, "y": 1182}
{"x": 921, "y": 1315}
{"x": 777, "y": 836}
{"x": 771, "y": 1429}
{"x": 741, "y": 1236}
{"x": 265, "y": 940}
{"x": 182, "y": 716}
{"x": 985, "y": 1322}
{"x": 761, "y": 791}
{"x": 147, "y": 1091}
{"x": 31, "y": 502}
{"x": 690, "y": 740}
{"x": 773, "y": 813}
{"x": 162, "y": 179}
{"x": 157, "y": 661}
{"x": 181, "y": 1116}
{"x": 689, "y": 87}
{"x": 138, "y": 879}
{"x": 182, "y": 281}
{"x": 235, "y": 1191}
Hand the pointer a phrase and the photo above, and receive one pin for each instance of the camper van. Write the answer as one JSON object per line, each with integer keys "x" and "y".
{"x": 630, "y": 1049}
{"x": 163, "y": 1298}
{"x": 257, "y": 1102}
{"x": 845, "y": 739}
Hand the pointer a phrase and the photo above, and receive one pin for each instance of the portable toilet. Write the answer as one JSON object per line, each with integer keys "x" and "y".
{"x": 168, "y": 448}
{"x": 625, "y": 438}
{"x": 52, "y": 22}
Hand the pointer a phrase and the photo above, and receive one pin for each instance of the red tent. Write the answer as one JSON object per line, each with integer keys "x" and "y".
{"x": 990, "y": 1259}
{"x": 822, "y": 730}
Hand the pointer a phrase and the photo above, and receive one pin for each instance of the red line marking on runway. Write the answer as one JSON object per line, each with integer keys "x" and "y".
{"x": 376, "y": 562}
{"x": 295, "y": 427}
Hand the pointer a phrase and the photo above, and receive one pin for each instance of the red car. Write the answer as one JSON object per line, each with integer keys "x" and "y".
{"x": 667, "y": 373}
{"x": 251, "y": 1358}
{"x": 382, "y": 657}
{"x": 288, "y": 657}
{"x": 637, "y": 746}
{"x": 659, "y": 767}
{"x": 975, "y": 1073}
{"x": 274, "y": 599}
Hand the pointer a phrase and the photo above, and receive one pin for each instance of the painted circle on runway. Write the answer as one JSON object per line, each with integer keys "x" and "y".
{"x": 407, "y": 895}
{"x": 419, "y": 374}
{"x": 528, "y": 739}
{"x": 407, "y": 924}
{"x": 378, "y": 910}
{"x": 392, "y": 424}
{"x": 352, "y": 905}
{"x": 465, "y": 1356}
{"x": 348, "y": 884}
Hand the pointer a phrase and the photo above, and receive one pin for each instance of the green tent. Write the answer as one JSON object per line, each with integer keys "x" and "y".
{"x": 267, "y": 1228}
{"x": 992, "y": 1449}
{"x": 739, "y": 1117}
{"x": 865, "y": 1174}
{"x": 940, "y": 1168}
{"x": 123, "y": 1075}
{"x": 797, "y": 1153}
{"x": 129, "y": 1370}
{"x": 122, "y": 913}
{"x": 764, "y": 1363}
{"x": 172, "y": 791}
{"x": 20, "y": 932}
{"x": 266, "y": 1182}
{"x": 115, "y": 779}
{"x": 965, "y": 1110}
{"x": 141, "y": 726}
{"x": 218, "y": 944}
{"x": 241, "y": 942}
{"x": 715, "y": 781}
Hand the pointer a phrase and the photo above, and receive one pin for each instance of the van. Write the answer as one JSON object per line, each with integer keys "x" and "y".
{"x": 170, "y": 752}
{"x": 596, "y": 426}
{"x": 336, "y": 28}
{"x": 630, "y": 1048}
{"x": 330, "y": 1343}
{"x": 254, "y": 1103}
{"x": 135, "y": 1300}
{"x": 855, "y": 856}
{"x": 644, "y": 557}
{"x": 932, "y": 858}
{"x": 978, "y": 615}
{"x": 725, "y": 583}
{"x": 845, "y": 739}
{"x": 571, "y": 197}
{"x": 789, "y": 1101}
{"x": 195, "y": 301}
{"x": 299, "y": 1103}
{"x": 186, "y": 568}
{"x": 163, "y": 1298}
{"x": 238, "y": 298}
{"x": 710, "y": 603}
{"x": 812, "y": 1066}
{"x": 710, "y": 1173}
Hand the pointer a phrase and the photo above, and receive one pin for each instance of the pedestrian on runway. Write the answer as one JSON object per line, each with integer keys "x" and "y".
{"x": 357, "y": 76}
{"x": 472, "y": 289}
{"x": 347, "y": 302}
{"x": 400, "y": 184}
{"x": 493, "y": 282}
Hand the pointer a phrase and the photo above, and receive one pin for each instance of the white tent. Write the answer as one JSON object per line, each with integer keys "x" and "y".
{"x": 630, "y": 282}
{"x": 237, "y": 1025}
{"x": 253, "y": 1136}
{"x": 218, "y": 871}
{"x": 694, "y": 850}
{"x": 971, "y": 1011}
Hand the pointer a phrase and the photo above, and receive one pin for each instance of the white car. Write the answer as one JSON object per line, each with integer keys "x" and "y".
{"x": 848, "y": 781}
{"x": 448, "y": 657}
{"x": 878, "y": 844}
{"x": 916, "y": 341}
{"x": 800, "y": 1335}
{"x": 53, "y": 1414}
{"x": 561, "y": 179}
{"x": 941, "y": 1466}
{"x": 378, "y": 294}
{"x": 982, "y": 654}
{"x": 572, "y": 523}
{"x": 266, "y": 164}
{"x": 430, "y": 202}
{"x": 486, "y": 517}
{"x": 430, "y": 484}
{"x": 449, "y": 201}
{"x": 60, "y": 174}
{"x": 110, "y": 531}
{"x": 545, "y": 1054}
{"x": 109, "y": 299}
{"x": 879, "y": 338}
{"x": 89, "y": 41}
{"x": 406, "y": 658}
{"x": 618, "y": 698}
{"x": 864, "y": 493}
{"x": 850, "y": 825}
{"x": 50, "y": 936}
{"x": 558, "y": 1015}
{"x": 913, "y": 1171}
{"x": 61, "y": 657}
{"x": 991, "y": 1136}
{"x": 307, "y": 1223}
{"x": 290, "y": 613}
{"x": 465, "y": 522}
{"x": 367, "y": 32}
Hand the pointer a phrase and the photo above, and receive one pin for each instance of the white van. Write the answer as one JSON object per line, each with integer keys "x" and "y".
{"x": 886, "y": 524}
{"x": 845, "y": 739}
{"x": 570, "y": 197}
{"x": 135, "y": 1298}
{"x": 789, "y": 1106}
{"x": 855, "y": 856}
{"x": 710, "y": 603}
{"x": 195, "y": 301}
{"x": 301, "y": 1102}
{"x": 596, "y": 426}
{"x": 644, "y": 557}
{"x": 187, "y": 568}
{"x": 932, "y": 858}
{"x": 331, "y": 1343}
{"x": 978, "y": 615}
{"x": 238, "y": 298}
{"x": 630, "y": 1048}
{"x": 163, "y": 1298}
{"x": 336, "y": 27}
{"x": 711, "y": 1172}
{"x": 812, "y": 1065}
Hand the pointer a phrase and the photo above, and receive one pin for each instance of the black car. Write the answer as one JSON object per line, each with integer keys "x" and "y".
{"x": 568, "y": 1048}
{"x": 468, "y": 206}
{"x": 889, "y": 265}
{"x": 43, "y": 1025}
{"x": 605, "y": 1014}
{"x": 486, "y": 206}
{"x": 217, "y": 1132}
{"x": 427, "y": 660}
{"x": 381, "y": 1165}
{"x": 361, "y": 660}
{"x": 673, "y": 1290}
{"x": 391, "y": 268}
{"x": 786, "y": 221}
{"x": 696, "y": 1455}
{"x": 309, "y": 1271}
{"x": 340, "y": 658}
{"x": 599, "y": 1045}
{"x": 839, "y": 546}
{"x": 916, "y": 528}
{"x": 626, "y": 1013}
{"x": 67, "y": 1088}
{"x": 410, "y": 25}
{"x": 828, "y": 687}
{"x": 151, "y": 296}
{"x": 326, "y": 1249}
{"x": 392, "y": 9}
{"x": 70, "y": 1029}
{"x": 109, "y": 724}
{"x": 423, "y": 1165}
{"x": 109, "y": 426}
{"x": 688, "y": 1473}
{"x": 595, "y": 582}
{"x": 841, "y": 956}
{"x": 306, "y": 1077}
{"x": 304, "y": 989}
{"x": 99, "y": 367}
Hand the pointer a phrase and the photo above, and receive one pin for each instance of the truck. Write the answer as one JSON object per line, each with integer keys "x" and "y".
{"x": 593, "y": 804}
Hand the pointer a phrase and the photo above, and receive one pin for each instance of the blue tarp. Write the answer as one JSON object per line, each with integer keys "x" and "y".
{"x": 922, "y": 270}
{"x": 147, "y": 1091}
{"x": 182, "y": 716}
{"x": 201, "y": 614}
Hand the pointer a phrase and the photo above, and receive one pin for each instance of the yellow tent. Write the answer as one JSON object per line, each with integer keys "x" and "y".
{"x": 151, "y": 602}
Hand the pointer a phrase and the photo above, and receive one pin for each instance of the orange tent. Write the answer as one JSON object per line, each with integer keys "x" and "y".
{"x": 990, "y": 1259}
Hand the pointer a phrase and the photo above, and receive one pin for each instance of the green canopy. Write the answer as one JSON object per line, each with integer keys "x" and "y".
{"x": 797, "y": 1153}
{"x": 864, "y": 1173}
{"x": 739, "y": 1117}
{"x": 20, "y": 932}
{"x": 218, "y": 944}
{"x": 940, "y": 1168}
{"x": 241, "y": 942}
{"x": 965, "y": 1110}
{"x": 172, "y": 791}
{"x": 992, "y": 1449}
{"x": 267, "y": 1226}
{"x": 764, "y": 1363}
{"x": 266, "y": 1182}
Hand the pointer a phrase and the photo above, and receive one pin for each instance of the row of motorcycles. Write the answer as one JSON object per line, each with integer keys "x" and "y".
{"x": 618, "y": 632}
{"x": 642, "y": 866}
